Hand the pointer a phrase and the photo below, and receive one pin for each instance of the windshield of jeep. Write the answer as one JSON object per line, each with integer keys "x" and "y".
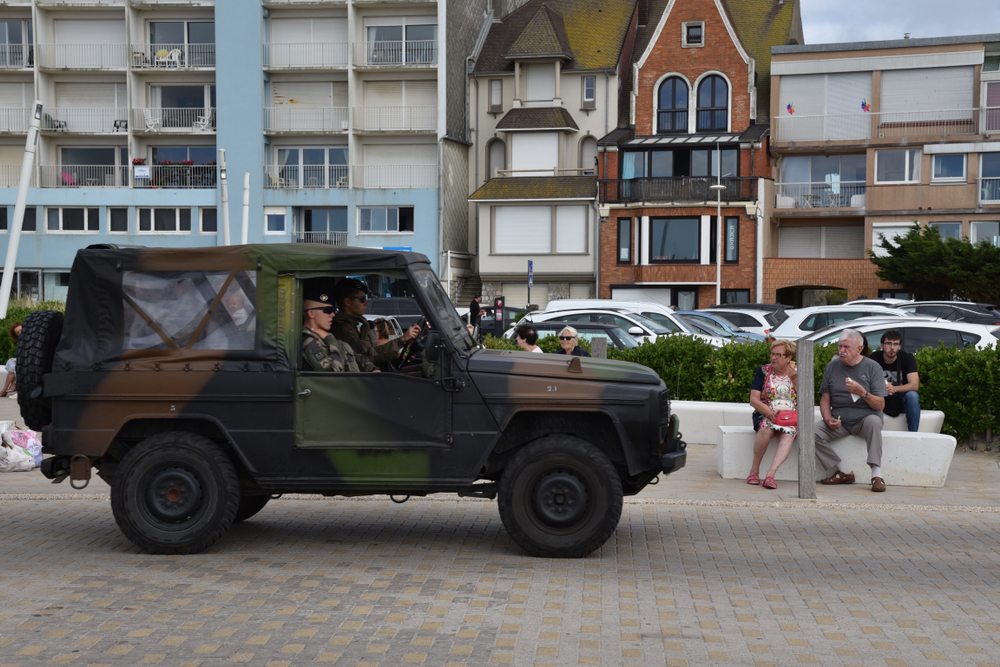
{"x": 450, "y": 322}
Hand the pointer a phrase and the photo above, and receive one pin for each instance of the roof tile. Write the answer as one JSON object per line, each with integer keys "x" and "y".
{"x": 537, "y": 118}
{"x": 537, "y": 187}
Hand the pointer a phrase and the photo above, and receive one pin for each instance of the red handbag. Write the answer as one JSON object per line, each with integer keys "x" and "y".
{"x": 786, "y": 418}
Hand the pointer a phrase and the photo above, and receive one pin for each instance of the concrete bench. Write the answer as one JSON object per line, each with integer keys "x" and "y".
{"x": 699, "y": 419}
{"x": 908, "y": 459}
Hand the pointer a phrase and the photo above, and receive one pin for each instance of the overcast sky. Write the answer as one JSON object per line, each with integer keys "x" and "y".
{"x": 825, "y": 21}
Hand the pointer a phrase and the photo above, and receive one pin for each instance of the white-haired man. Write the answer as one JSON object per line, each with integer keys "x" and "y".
{"x": 853, "y": 396}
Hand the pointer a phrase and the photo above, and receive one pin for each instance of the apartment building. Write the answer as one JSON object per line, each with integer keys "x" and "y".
{"x": 348, "y": 115}
{"x": 544, "y": 88}
{"x": 869, "y": 139}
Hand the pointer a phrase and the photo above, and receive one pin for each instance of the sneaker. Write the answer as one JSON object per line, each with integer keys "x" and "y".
{"x": 12, "y": 395}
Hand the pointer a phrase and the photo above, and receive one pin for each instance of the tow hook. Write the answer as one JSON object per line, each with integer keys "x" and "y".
{"x": 79, "y": 471}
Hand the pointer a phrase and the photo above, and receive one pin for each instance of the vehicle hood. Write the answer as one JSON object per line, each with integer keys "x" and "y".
{"x": 510, "y": 362}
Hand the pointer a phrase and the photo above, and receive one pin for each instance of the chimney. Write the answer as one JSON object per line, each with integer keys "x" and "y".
{"x": 906, "y": 35}
{"x": 643, "y": 6}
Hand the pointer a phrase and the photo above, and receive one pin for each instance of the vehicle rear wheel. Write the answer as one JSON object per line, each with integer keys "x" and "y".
{"x": 560, "y": 497}
{"x": 175, "y": 493}
{"x": 249, "y": 506}
{"x": 35, "y": 351}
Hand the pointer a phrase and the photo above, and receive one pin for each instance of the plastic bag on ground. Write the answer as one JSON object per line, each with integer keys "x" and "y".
{"x": 26, "y": 440}
{"x": 15, "y": 459}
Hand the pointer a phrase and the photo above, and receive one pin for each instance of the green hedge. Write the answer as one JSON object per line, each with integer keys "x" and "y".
{"x": 964, "y": 384}
{"x": 17, "y": 311}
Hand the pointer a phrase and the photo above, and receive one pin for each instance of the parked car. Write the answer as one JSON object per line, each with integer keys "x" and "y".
{"x": 803, "y": 320}
{"x": 721, "y": 324}
{"x": 954, "y": 311}
{"x": 617, "y": 338}
{"x": 489, "y": 326}
{"x": 639, "y": 327}
{"x": 916, "y": 332}
{"x": 887, "y": 302}
{"x": 404, "y": 309}
{"x": 777, "y": 310}
{"x": 659, "y": 313}
{"x": 754, "y": 320}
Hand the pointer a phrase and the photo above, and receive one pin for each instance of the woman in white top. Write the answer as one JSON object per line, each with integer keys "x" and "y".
{"x": 527, "y": 337}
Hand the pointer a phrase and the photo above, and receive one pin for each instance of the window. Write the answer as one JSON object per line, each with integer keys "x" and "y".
{"x": 209, "y": 220}
{"x": 497, "y": 156}
{"x": 989, "y": 175}
{"x": 313, "y": 167}
{"x": 713, "y": 104}
{"x": 675, "y": 239}
{"x": 15, "y": 44}
{"x": 693, "y": 33}
{"x": 274, "y": 220}
{"x": 118, "y": 220}
{"x": 588, "y": 156}
{"x": 888, "y": 231}
{"x": 198, "y": 155}
{"x": 706, "y": 162}
{"x": 63, "y": 278}
{"x": 184, "y": 106}
{"x": 735, "y": 296}
{"x": 589, "y": 91}
{"x": 680, "y": 162}
{"x": 892, "y": 294}
{"x": 496, "y": 95}
{"x": 3, "y": 218}
{"x": 97, "y": 165}
{"x": 194, "y": 39}
{"x": 408, "y": 40}
{"x": 992, "y": 102}
{"x": 824, "y": 242}
{"x": 571, "y": 229}
{"x": 164, "y": 220}
{"x": 732, "y": 232}
{"x": 29, "y": 224}
{"x": 915, "y": 338}
{"x": 624, "y": 240}
{"x": 672, "y": 112}
{"x": 897, "y": 166}
{"x": 385, "y": 219}
{"x": 540, "y": 82}
{"x": 986, "y": 231}
{"x": 948, "y": 168}
{"x": 948, "y": 230}
{"x": 818, "y": 181}
{"x": 522, "y": 229}
{"x": 72, "y": 220}
{"x": 321, "y": 225}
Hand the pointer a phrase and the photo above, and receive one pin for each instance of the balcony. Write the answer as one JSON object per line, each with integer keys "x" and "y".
{"x": 82, "y": 56}
{"x": 395, "y": 119}
{"x": 402, "y": 176}
{"x": 299, "y": 119}
{"x": 14, "y": 120}
{"x": 824, "y": 194}
{"x": 297, "y": 177}
{"x": 174, "y": 176}
{"x": 55, "y": 4}
{"x": 153, "y": 120}
{"x": 306, "y": 56}
{"x": 17, "y": 56}
{"x": 989, "y": 190}
{"x": 866, "y": 127}
{"x": 327, "y": 238}
{"x": 10, "y": 176}
{"x": 173, "y": 56}
{"x": 422, "y": 53}
{"x": 679, "y": 190}
{"x": 84, "y": 176}
{"x": 77, "y": 120}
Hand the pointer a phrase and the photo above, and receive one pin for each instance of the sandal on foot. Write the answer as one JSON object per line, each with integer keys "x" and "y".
{"x": 753, "y": 479}
{"x": 769, "y": 483}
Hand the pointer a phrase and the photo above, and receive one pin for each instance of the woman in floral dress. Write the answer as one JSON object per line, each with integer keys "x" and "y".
{"x": 772, "y": 393}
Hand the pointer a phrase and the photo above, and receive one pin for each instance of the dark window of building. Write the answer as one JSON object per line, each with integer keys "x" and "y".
{"x": 118, "y": 219}
{"x": 624, "y": 240}
{"x": 736, "y": 296}
{"x": 675, "y": 239}
{"x": 713, "y": 104}
{"x": 29, "y": 224}
{"x": 693, "y": 33}
{"x": 209, "y": 221}
{"x": 3, "y": 218}
{"x": 673, "y": 106}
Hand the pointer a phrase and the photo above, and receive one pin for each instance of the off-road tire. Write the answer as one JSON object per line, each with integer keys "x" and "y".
{"x": 175, "y": 493}
{"x": 560, "y": 497}
{"x": 35, "y": 349}
{"x": 249, "y": 506}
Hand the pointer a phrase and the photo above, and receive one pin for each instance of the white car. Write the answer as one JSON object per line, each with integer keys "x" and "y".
{"x": 662, "y": 315}
{"x": 641, "y": 328}
{"x": 916, "y": 332}
{"x": 802, "y": 321}
{"x": 748, "y": 319}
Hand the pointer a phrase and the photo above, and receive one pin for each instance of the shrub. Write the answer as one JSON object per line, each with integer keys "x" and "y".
{"x": 731, "y": 369}
{"x": 681, "y": 361}
{"x": 17, "y": 311}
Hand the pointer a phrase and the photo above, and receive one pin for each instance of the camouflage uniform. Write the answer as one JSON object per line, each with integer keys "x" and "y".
{"x": 357, "y": 332}
{"x": 326, "y": 354}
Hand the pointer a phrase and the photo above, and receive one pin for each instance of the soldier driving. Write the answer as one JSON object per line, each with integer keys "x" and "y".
{"x": 320, "y": 350}
{"x": 351, "y": 327}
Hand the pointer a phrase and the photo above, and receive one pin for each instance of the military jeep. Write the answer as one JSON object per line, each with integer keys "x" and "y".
{"x": 176, "y": 375}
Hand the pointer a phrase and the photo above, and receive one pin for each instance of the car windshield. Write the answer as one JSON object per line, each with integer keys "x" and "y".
{"x": 655, "y": 327}
{"x": 668, "y": 323}
{"x": 446, "y": 315}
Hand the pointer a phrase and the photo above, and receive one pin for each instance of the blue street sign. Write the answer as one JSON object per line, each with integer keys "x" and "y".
{"x": 531, "y": 270}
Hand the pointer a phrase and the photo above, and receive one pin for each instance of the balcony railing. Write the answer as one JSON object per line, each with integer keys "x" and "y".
{"x": 395, "y": 176}
{"x": 328, "y": 238}
{"x": 676, "y": 190}
{"x": 10, "y": 176}
{"x": 294, "y": 177}
{"x": 864, "y": 126}
{"x": 83, "y": 3}
{"x": 177, "y": 56}
{"x": 197, "y": 119}
{"x": 82, "y": 56}
{"x": 989, "y": 190}
{"x": 390, "y": 119}
{"x": 80, "y": 120}
{"x": 84, "y": 176}
{"x": 14, "y": 120}
{"x": 306, "y": 119}
{"x": 293, "y": 56}
{"x": 174, "y": 176}
{"x": 823, "y": 194}
{"x": 396, "y": 54}
{"x": 16, "y": 56}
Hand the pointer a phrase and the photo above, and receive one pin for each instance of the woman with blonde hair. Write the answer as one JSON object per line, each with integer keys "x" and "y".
{"x": 569, "y": 339}
{"x": 773, "y": 398}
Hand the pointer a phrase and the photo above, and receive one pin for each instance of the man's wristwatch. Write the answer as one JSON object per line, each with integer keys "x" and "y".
{"x": 866, "y": 394}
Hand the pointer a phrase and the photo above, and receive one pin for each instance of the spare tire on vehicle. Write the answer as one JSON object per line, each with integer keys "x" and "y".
{"x": 35, "y": 350}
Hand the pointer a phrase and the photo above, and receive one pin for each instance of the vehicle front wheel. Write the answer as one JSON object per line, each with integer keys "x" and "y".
{"x": 175, "y": 493}
{"x": 560, "y": 497}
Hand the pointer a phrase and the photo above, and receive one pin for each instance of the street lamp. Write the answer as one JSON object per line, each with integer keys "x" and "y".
{"x": 718, "y": 188}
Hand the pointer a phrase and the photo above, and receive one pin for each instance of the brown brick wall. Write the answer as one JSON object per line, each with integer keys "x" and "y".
{"x": 857, "y": 276}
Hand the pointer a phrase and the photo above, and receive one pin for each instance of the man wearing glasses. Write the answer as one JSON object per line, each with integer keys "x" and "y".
{"x": 320, "y": 350}
{"x": 351, "y": 327}
{"x": 901, "y": 379}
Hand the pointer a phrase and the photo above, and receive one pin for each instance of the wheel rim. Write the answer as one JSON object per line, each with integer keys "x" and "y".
{"x": 560, "y": 499}
{"x": 173, "y": 495}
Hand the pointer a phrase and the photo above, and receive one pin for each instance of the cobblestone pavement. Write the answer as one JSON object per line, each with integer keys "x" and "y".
{"x": 438, "y": 582}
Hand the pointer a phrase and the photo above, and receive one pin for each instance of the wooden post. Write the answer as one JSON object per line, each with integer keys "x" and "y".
{"x": 599, "y": 347}
{"x": 807, "y": 439}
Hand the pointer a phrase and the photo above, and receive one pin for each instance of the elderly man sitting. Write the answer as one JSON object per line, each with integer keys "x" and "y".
{"x": 853, "y": 396}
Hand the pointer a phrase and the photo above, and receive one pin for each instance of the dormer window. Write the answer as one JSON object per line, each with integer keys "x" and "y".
{"x": 672, "y": 110}
{"x": 713, "y": 104}
{"x": 693, "y": 33}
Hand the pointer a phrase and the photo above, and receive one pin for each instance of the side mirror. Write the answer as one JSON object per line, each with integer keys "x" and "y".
{"x": 432, "y": 347}
{"x": 636, "y": 331}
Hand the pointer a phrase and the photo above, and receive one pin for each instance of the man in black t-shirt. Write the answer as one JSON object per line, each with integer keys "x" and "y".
{"x": 476, "y": 311}
{"x": 901, "y": 378}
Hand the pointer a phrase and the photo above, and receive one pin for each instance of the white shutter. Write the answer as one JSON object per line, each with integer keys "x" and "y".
{"x": 799, "y": 241}
{"x": 383, "y": 93}
{"x": 540, "y": 295}
{"x": 339, "y": 97}
{"x": 571, "y": 229}
{"x": 541, "y": 82}
{"x": 303, "y": 93}
{"x": 845, "y": 242}
{"x": 291, "y": 31}
{"x": 801, "y": 105}
{"x": 329, "y": 31}
{"x": 401, "y": 154}
{"x": 579, "y": 291}
{"x": 993, "y": 104}
{"x": 947, "y": 90}
{"x": 12, "y": 155}
{"x": 89, "y": 32}
{"x": 649, "y": 294}
{"x": 515, "y": 294}
{"x": 846, "y": 93}
{"x": 535, "y": 151}
{"x": 880, "y": 231}
{"x": 12, "y": 95}
{"x": 91, "y": 95}
{"x": 522, "y": 229}
{"x": 420, "y": 93}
